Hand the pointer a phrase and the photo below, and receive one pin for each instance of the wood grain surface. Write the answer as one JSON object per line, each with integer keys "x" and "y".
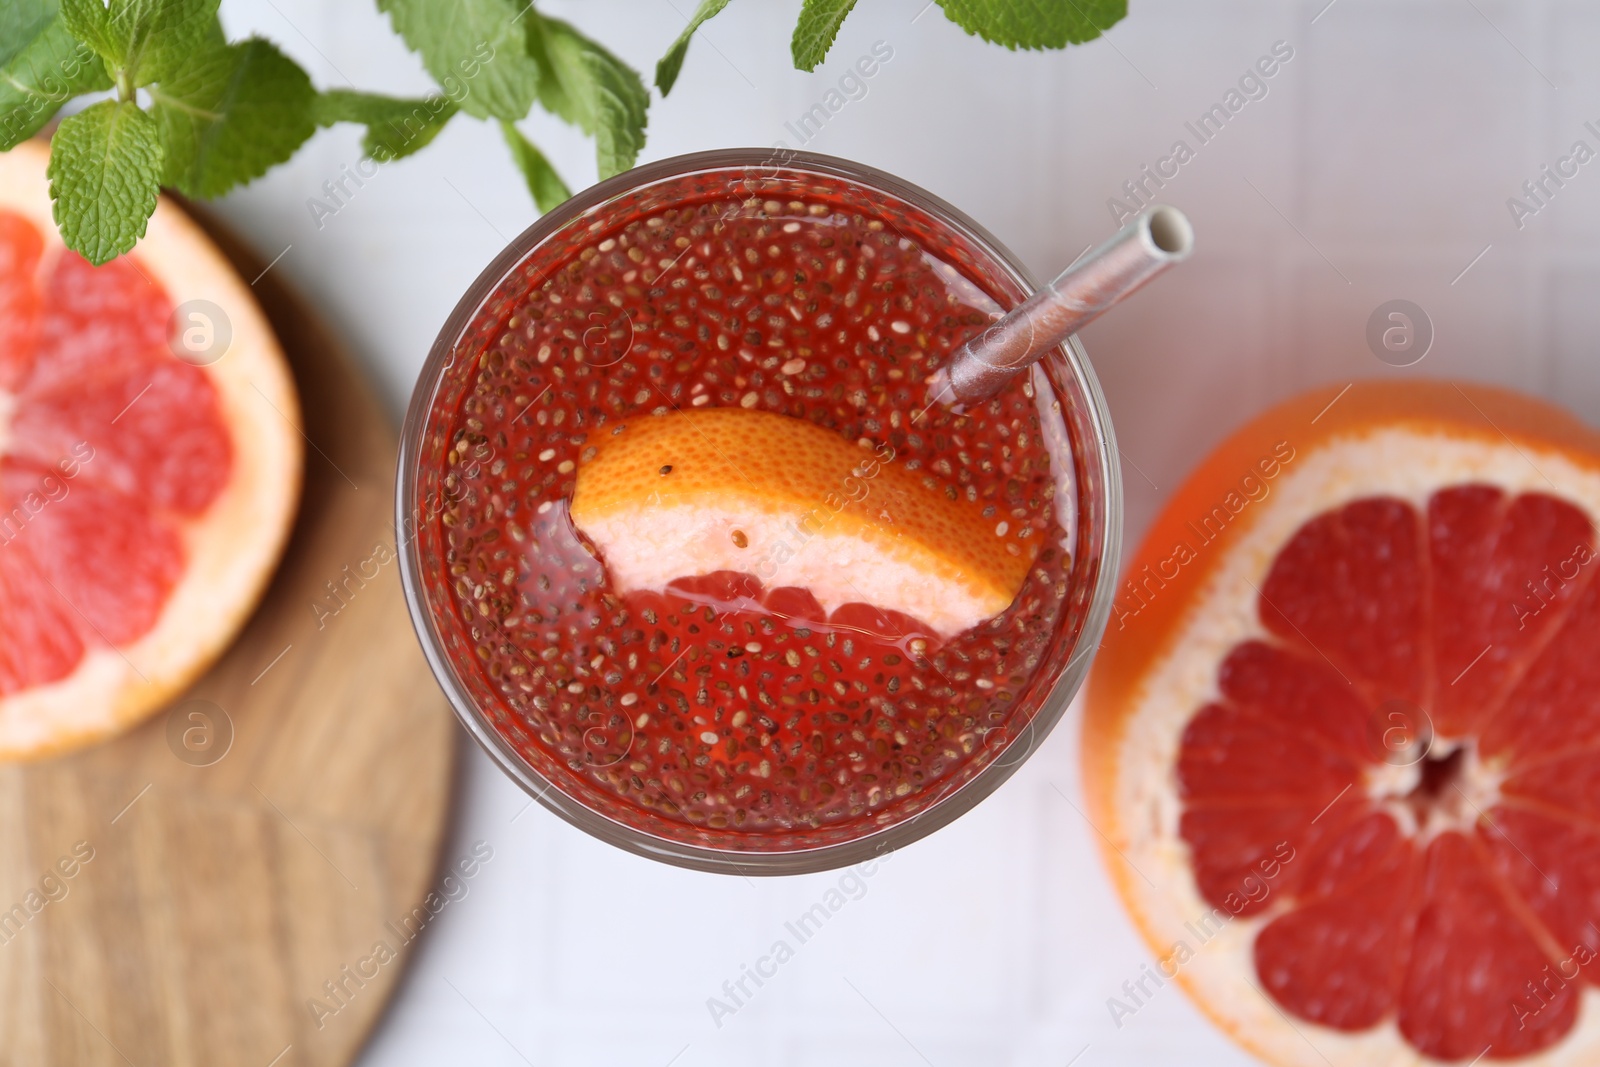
{"x": 230, "y": 880}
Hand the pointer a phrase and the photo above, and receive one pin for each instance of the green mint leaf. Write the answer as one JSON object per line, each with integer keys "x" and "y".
{"x": 20, "y": 22}
{"x": 231, "y": 115}
{"x": 41, "y": 72}
{"x": 1030, "y": 24}
{"x": 395, "y": 127}
{"x": 105, "y": 175}
{"x": 159, "y": 38}
{"x": 543, "y": 182}
{"x": 594, "y": 90}
{"x": 475, "y": 49}
{"x": 90, "y": 22}
{"x": 814, "y": 33}
{"x": 213, "y": 37}
{"x": 670, "y": 64}
{"x": 143, "y": 41}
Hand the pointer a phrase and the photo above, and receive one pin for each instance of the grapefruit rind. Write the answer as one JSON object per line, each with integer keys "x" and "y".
{"x": 231, "y": 549}
{"x": 1160, "y": 667}
{"x": 695, "y": 492}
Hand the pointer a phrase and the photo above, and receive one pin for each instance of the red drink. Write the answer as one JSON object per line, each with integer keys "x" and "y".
{"x": 721, "y": 715}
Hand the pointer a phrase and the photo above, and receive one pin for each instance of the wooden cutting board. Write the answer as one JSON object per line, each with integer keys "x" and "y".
{"x": 226, "y": 887}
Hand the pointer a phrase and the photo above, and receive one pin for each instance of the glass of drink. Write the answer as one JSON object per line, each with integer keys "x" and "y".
{"x": 691, "y": 552}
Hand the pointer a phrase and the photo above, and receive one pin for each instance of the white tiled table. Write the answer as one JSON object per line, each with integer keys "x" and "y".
{"x": 1377, "y": 166}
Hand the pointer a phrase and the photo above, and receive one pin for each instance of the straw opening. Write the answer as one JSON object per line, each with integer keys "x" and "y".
{"x": 1170, "y": 231}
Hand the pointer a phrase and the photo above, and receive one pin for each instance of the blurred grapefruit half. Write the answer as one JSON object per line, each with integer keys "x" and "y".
{"x": 144, "y": 498}
{"x": 1343, "y": 740}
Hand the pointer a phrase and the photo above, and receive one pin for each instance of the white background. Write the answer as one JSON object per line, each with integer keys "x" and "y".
{"x": 1377, "y": 167}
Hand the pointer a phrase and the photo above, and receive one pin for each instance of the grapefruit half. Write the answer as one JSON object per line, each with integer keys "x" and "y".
{"x": 144, "y": 498}
{"x": 1343, "y": 740}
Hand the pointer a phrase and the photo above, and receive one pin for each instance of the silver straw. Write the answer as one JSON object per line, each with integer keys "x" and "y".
{"x": 1159, "y": 237}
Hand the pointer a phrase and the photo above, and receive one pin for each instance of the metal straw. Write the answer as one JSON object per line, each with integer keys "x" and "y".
{"x": 1159, "y": 237}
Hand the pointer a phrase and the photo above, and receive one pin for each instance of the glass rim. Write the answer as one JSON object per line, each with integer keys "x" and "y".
{"x": 823, "y": 857}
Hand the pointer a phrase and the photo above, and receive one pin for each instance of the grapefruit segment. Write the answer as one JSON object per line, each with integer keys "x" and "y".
{"x": 1552, "y": 864}
{"x": 154, "y": 425}
{"x": 1338, "y": 959}
{"x": 1471, "y": 954}
{"x": 1232, "y": 841}
{"x": 700, "y": 491}
{"x": 143, "y": 500}
{"x": 1556, "y": 706}
{"x": 1386, "y": 662}
{"x": 1229, "y": 753}
{"x": 97, "y": 320}
{"x": 1349, "y": 589}
{"x": 1299, "y": 692}
{"x": 1486, "y": 548}
{"x": 20, "y": 249}
{"x": 1569, "y": 784}
{"x": 1360, "y": 844}
{"x": 42, "y": 643}
{"x": 106, "y": 555}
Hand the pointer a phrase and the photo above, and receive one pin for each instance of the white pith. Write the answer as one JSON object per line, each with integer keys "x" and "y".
{"x": 1405, "y": 463}
{"x": 1474, "y": 789}
{"x": 647, "y": 547}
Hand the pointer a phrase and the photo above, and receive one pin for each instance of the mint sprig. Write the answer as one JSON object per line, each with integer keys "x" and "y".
{"x": 90, "y": 22}
{"x": 476, "y": 49}
{"x": 157, "y": 38}
{"x": 670, "y": 64}
{"x": 543, "y": 182}
{"x": 396, "y": 127}
{"x": 42, "y": 66}
{"x": 105, "y": 174}
{"x": 1012, "y": 23}
{"x": 815, "y": 32}
{"x": 589, "y": 87}
{"x": 230, "y": 116}
{"x": 1019, "y": 24}
{"x": 199, "y": 114}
